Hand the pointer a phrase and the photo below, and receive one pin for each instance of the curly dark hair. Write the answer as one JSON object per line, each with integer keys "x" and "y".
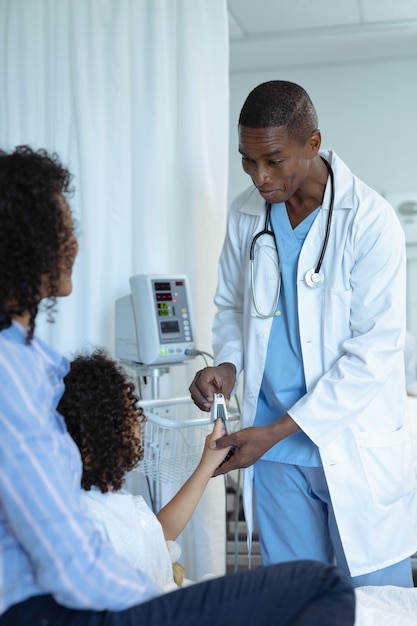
{"x": 34, "y": 232}
{"x": 280, "y": 103}
{"x": 100, "y": 408}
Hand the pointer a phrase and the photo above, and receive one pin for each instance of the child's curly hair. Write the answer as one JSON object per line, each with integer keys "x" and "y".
{"x": 102, "y": 416}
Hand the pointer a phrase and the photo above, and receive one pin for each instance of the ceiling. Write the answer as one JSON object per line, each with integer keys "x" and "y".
{"x": 278, "y": 33}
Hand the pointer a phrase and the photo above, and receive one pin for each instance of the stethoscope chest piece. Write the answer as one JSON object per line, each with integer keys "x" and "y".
{"x": 313, "y": 278}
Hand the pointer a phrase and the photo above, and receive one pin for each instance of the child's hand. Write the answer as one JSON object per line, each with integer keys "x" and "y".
{"x": 211, "y": 459}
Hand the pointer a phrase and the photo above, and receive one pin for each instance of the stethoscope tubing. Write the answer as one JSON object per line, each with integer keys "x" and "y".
{"x": 329, "y": 217}
{"x": 264, "y": 231}
{"x": 314, "y": 277}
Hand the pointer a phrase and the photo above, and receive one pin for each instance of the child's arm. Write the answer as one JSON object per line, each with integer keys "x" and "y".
{"x": 175, "y": 515}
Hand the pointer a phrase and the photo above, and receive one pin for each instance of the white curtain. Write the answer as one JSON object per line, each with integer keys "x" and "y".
{"x": 133, "y": 96}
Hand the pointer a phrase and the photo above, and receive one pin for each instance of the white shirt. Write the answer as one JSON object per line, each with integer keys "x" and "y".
{"x": 127, "y": 522}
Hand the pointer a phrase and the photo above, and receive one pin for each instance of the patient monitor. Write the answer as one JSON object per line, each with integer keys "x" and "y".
{"x": 154, "y": 324}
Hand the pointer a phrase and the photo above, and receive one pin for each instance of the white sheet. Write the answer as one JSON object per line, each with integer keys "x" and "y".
{"x": 386, "y": 606}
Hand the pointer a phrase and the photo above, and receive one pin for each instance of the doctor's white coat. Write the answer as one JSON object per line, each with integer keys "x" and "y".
{"x": 352, "y": 331}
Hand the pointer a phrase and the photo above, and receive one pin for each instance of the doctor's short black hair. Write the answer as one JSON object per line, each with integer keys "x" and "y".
{"x": 280, "y": 103}
{"x": 33, "y": 229}
{"x": 100, "y": 409}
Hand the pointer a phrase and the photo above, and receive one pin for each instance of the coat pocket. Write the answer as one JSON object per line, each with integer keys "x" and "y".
{"x": 388, "y": 464}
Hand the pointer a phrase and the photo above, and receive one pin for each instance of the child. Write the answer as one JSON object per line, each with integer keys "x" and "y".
{"x": 102, "y": 416}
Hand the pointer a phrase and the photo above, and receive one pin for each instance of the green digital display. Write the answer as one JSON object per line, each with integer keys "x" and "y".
{"x": 163, "y": 309}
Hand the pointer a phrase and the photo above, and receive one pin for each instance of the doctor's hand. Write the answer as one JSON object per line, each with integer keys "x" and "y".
{"x": 249, "y": 444}
{"x": 211, "y": 380}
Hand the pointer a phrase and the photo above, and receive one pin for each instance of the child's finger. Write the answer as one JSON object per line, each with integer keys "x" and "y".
{"x": 219, "y": 428}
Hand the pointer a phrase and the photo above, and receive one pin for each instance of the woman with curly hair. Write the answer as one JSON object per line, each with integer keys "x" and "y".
{"x": 102, "y": 416}
{"x": 38, "y": 246}
{"x": 55, "y": 568}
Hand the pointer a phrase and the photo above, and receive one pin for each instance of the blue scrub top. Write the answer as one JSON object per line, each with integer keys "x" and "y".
{"x": 283, "y": 382}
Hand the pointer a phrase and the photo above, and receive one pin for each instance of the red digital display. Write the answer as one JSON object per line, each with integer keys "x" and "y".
{"x": 162, "y": 286}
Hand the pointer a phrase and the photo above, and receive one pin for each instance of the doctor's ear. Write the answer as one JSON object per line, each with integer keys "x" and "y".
{"x": 312, "y": 145}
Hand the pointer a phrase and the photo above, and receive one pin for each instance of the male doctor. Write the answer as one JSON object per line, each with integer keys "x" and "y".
{"x": 311, "y": 306}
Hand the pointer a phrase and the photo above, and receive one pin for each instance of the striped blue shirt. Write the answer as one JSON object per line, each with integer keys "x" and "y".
{"x": 48, "y": 545}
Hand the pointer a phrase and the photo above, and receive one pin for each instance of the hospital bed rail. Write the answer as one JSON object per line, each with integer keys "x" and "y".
{"x": 173, "y": 437}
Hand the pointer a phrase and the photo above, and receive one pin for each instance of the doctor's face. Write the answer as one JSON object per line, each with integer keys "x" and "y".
{"x": 277, "y": 164}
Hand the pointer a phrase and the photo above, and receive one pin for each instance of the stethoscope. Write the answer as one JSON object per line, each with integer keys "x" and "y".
{"x": 313, "y": 277}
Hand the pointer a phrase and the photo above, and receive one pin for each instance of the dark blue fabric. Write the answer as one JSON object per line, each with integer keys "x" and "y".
{"x": 5, "y": 321}
{"x": 299, "y": 593}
